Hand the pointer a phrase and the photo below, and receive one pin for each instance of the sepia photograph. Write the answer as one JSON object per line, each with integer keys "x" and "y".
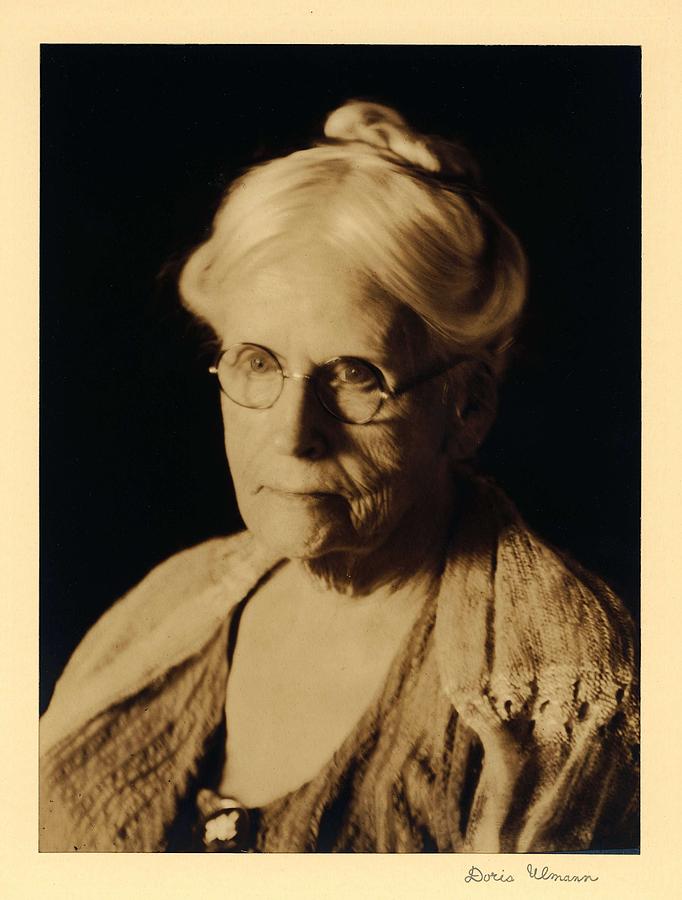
{"x": 339, "y": 448}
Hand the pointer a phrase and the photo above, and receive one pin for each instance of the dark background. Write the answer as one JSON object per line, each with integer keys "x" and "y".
{"x": 138, "y": 143}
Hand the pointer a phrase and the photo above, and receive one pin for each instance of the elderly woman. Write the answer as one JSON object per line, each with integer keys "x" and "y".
{"x": 387, "y": 659}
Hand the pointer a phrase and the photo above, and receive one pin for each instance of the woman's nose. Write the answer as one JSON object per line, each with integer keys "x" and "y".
{"x": 298, "y": 413}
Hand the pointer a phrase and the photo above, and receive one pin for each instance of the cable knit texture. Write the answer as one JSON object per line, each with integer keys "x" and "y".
{"x": 508, "y": 721}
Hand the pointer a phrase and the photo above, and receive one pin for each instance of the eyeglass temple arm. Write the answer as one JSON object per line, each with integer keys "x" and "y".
{"x": 434, "y": 372}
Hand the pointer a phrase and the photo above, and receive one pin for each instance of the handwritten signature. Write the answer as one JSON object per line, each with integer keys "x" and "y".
{"x": 544, "y": 874}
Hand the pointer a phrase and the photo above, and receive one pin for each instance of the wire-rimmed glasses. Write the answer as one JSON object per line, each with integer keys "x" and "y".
{"x": 350, "y": 389}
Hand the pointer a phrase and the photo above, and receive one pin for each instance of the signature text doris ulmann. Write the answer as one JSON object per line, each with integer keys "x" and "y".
{"x": 544, "y": 874}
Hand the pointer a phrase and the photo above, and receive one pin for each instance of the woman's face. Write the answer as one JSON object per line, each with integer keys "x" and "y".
{"x": 308, "y": 484}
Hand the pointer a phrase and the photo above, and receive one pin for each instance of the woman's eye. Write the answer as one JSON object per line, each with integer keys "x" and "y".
{"x": 355, "y": 375}
{"x": 256, "y": 363}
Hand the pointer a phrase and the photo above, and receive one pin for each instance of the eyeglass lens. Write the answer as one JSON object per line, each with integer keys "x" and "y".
{"x": 348, "y": 388}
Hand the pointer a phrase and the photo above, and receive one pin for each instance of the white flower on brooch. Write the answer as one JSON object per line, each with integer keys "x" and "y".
{"x": 222, "y": 827}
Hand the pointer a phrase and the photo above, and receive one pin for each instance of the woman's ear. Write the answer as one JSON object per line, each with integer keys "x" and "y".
{"x": 471, "y": 397}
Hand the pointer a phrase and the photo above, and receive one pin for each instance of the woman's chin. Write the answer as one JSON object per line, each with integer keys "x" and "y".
{"x": 302, "y": 538}
{"x": 301, "y": 545}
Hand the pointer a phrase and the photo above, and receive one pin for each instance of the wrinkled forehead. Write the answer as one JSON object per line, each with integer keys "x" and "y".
{"x": 312, "y": 292}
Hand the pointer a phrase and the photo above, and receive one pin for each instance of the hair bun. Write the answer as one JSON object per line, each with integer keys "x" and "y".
{"x": 383, "y": 128}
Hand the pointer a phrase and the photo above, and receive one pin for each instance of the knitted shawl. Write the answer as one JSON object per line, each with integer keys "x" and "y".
{"x": 536, "y": 655}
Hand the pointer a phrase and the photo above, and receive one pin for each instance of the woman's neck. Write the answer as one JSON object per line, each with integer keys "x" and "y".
{"x": 412, "y": 555}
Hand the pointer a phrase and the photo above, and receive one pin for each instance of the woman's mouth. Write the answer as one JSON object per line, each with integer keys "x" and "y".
{"x": 299, "y": 493}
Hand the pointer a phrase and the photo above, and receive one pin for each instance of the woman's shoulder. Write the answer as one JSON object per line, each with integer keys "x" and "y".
{"x": 539, "y": 658}
{"x": 544, "y": 639}
{"x": 167, "y": 588}
{"x": 163, "y": 620}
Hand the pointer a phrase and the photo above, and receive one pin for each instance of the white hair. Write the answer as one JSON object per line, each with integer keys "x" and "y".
{"x": 400, "y": 207}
